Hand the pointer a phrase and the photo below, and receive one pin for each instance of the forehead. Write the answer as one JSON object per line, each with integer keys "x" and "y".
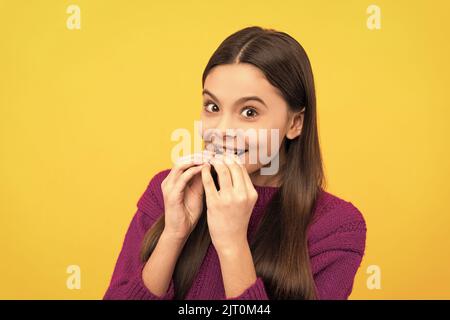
{"x": 232, "y": 81}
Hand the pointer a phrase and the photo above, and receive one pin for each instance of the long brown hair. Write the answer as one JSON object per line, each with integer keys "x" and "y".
{"x": 280, "y": 245}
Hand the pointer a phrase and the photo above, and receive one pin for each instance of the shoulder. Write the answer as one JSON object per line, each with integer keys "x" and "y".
{"x": 151, "y": 201}
{"x": 338, "y": 224}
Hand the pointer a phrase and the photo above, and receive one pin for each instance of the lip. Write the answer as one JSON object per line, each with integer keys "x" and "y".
{"x": 219, "y": 149}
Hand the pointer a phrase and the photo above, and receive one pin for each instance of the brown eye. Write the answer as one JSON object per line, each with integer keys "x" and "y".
{"x": 211, "y": 107}
{"x": 249, "y": 113}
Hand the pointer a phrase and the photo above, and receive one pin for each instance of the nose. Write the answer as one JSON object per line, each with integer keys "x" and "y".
{"x": 223, "y": 129}
{"x": 225, "y": 126}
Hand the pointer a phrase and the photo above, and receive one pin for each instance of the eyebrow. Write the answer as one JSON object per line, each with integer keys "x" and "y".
{"x": 240, "y": 100}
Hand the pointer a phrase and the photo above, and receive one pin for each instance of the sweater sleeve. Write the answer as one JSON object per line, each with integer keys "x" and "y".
{"x": 336, "y": 251}
{"x": 126, "y": 282}
{"x": 256, "y": 291}
{"x": 336, "y": 257}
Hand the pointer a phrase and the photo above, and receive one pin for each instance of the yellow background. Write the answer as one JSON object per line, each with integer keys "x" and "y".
{"x": 86, "y": 117}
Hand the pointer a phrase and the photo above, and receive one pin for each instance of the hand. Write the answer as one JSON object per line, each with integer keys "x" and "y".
{"x": 183, "y": 195}
{"x": 230, "y": 208}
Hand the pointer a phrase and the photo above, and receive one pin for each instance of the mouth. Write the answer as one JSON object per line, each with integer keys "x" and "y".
{"x": 221, "y": 150}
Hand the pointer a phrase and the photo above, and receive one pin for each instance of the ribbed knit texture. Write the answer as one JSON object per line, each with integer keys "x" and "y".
{"x": 336, "y": 243}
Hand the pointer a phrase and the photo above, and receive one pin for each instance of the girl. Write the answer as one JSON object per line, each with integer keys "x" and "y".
{"x": 219, "y": 229}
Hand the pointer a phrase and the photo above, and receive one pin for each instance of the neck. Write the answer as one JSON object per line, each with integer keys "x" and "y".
{"x": 264, "y": 180}
{"x": 269, "y": 180}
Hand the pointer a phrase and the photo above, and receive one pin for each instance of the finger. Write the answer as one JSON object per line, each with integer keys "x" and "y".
{"x": 184, "y": 163}
{"x": 237, "y": 175}
{"x": 195, "y": 185}
{"x": 197, "y": 157}
{"x": 179, "y": 167}
{"x": 245, "y": 175}
{"x": 181, "y": 183}
{"x": 222, "y": 173}
{"x": 208, "y": 184}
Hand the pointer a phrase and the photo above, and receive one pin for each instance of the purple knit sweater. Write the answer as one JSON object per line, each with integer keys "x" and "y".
{"x": 336, "y": 242}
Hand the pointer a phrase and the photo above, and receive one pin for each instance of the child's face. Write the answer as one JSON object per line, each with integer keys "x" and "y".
{"x": 224, "y": 108}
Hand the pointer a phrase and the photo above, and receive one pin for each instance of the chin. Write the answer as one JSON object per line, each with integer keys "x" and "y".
{"x": 251, "y": 168}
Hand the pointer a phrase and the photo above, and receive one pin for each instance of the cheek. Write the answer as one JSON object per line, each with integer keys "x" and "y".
{"x": 205, "y": 129}
{"x": 251, "y": 168}
{"x": 263, "y": 149}
{"x": 270, "y": 145}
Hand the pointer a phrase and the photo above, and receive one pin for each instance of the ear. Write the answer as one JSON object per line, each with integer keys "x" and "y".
{"x": 295, "y": 124}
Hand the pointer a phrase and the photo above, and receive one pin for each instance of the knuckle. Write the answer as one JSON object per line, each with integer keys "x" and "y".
{"x": 166, "y": 186}
{"x": 180, "y": 163}
{"x": 253, "y": 195}
{"x": 240, "y": 198}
